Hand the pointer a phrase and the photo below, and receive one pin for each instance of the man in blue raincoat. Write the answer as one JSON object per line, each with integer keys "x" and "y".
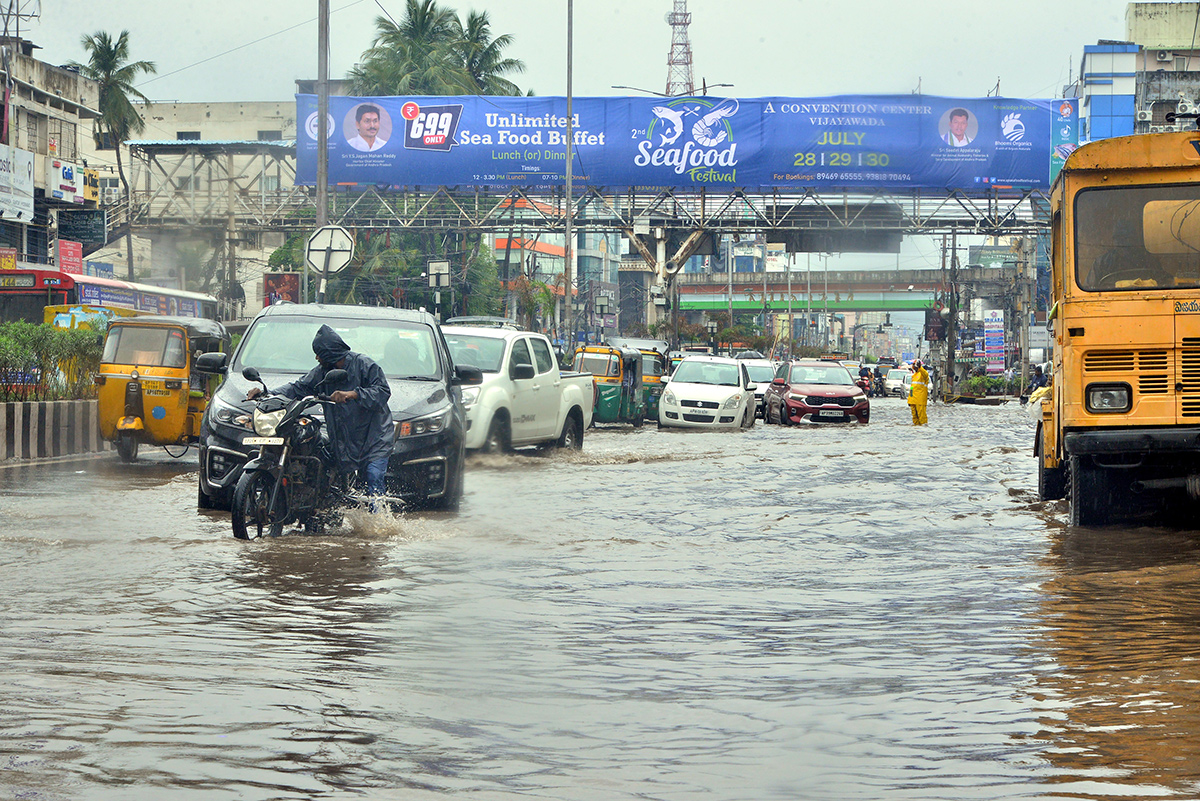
{"x": 360, "y": 419}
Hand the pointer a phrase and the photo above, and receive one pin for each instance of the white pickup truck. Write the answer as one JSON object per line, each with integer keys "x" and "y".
{"x": 525, "y": 399}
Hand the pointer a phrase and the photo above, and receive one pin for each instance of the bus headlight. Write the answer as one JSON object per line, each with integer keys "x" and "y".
{"x": 1108, "y": 398}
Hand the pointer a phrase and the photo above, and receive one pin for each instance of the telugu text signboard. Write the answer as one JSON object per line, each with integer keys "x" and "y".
{"x": 860, "y": 141}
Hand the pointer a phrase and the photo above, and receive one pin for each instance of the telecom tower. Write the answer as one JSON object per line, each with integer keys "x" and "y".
{"x": 679, "y": 60}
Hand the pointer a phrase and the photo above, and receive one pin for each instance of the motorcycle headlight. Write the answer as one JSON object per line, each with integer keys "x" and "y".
{"x": 231, "y": 415}
{"x": 470, "y": 396}
{"x": 429, "y": 424}
{"x": 668, "y": 398}
{"x": 265, "y": 423}
{"x": 733, "y": 402}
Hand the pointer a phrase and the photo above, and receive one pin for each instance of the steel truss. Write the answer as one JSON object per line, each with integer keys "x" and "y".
{"x": 247, "y": 186}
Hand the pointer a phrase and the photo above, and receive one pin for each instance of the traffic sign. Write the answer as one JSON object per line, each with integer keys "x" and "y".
{"x": 329, "y": 249}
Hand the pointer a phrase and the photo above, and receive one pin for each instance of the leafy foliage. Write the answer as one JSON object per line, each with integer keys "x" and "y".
{"x": 41, "y": 362}
{"x": 430, "y": 52}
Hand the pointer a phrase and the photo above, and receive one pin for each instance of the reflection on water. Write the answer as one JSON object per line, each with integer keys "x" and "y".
{"x": 876, "y": 612}
{"x": 1121, "y": 619}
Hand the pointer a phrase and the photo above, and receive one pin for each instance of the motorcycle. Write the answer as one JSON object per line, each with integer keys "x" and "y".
{"x": 294, "y": 476}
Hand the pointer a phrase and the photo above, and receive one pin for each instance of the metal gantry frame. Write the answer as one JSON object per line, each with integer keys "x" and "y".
{"x": 213, "y": 185}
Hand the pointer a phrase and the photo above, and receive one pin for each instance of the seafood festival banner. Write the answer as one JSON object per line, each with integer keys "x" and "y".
{"x": 859, "y": 141}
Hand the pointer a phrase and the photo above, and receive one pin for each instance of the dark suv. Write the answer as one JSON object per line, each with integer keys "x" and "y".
{"x": 426, "y": 466}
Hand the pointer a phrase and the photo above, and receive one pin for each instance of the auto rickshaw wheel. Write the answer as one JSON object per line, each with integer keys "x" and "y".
{"x": 639, "y": 421}
{"x": 127, "y": 447}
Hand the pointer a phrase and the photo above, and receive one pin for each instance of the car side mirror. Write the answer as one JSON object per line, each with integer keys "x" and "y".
{"x": 779, "y": 382}
{"x": 215, "y": 362}
{"x": 520, "y": 371}
{"x": 467, "y": 375}
{"x": 752, "y": 387}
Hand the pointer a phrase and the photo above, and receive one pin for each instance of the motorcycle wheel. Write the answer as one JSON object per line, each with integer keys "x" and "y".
{"x": 251, "y": 517}
{"x": 127, "y": 447}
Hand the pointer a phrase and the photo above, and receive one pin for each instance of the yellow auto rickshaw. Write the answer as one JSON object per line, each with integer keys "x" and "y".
{"x": 147, "y": 389}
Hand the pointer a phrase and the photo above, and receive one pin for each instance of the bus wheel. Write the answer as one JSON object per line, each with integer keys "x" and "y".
{"x": 1052, "y": 482}
{"x": 1089, "y": 493}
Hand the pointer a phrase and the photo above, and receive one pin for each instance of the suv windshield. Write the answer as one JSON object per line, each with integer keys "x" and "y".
{"x": 283, "y": 344}
{"x": 1137, "y": 237}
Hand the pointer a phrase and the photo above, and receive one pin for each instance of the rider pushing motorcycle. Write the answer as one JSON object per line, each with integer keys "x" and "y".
{"x": 360, "y": 420}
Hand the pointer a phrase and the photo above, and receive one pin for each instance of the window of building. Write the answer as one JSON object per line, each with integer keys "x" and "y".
{"x": 1180, "y": 63}
{"x": 32, "y": 141}
{"x": 185, "y": 183}
{"x": 62, "y": 134}
{"x": 270, "y": 183}
{"x": 270, "y": 136}
{"x": 185, "y": 135}
{"x": 105, "y": 141}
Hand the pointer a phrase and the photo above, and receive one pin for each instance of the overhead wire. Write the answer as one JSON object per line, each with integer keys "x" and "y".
{"x": 247, "y": 44}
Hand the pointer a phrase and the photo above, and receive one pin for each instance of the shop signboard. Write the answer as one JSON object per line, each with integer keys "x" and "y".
{"x": 89, "y": 226}
{"x": 64, "y": 181}
{"x": 70, "y": 256}
{"x": 16, "y": 184}
{"x": 993, "y": 340}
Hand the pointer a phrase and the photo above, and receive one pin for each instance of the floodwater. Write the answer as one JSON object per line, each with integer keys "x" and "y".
{"x": 800, "y": 613}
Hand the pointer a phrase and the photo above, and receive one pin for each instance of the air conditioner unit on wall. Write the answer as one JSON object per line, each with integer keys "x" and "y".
{"x": 1164, "y": 55}
{"x": 1159, "y": 128}
{"x": 1145, "y": 116}
{"x": 111, "y": 194}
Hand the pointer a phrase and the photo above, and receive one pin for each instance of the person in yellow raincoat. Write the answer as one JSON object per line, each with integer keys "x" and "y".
{"x": 918, "y": 393}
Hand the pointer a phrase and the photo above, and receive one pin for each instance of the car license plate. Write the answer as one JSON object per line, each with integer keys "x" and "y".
{"x": 834, "y": 415}
{"x": 263, "y": 441}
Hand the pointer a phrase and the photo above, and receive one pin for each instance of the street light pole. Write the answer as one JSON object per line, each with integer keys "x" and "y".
{"x": 568, "y": 305}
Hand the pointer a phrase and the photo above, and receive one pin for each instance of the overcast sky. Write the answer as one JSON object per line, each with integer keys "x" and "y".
{"x": 799, "y": 48}
{"x": 227, "y": 50}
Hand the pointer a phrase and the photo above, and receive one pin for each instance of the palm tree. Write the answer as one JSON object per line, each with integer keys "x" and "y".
{"x": 483, "y": 58}
{"x": 416, "y": 56}
{"x": 430, "y": 52}
{"x": 109, "y": 65}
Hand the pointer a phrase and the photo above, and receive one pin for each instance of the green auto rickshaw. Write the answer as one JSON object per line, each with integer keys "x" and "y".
{"x": 617, "y": 374}
{"x": 655, "y": 366}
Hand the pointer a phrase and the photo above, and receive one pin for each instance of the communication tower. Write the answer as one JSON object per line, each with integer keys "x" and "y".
{"x": 679, "y": 60}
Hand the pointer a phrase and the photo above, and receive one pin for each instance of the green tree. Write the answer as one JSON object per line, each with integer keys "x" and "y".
{"x": 109, "y": 65}
{"x": 419, "y": 55}
{"x": 430, "y": 52}
{"x": 483, "y": 56}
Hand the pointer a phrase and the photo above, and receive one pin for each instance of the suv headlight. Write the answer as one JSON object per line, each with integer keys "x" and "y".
{"x": 229, "y": 415}
{"x": 429, "y": 424}
{"x": 1108, "y": 398}
{"x": 470, "y": 396}
{"x": 733, "y": 402}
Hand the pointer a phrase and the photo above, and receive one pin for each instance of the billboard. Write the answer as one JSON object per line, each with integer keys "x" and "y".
{"x": 89, "y": 226}
{"x": 849, "y": 141}
{"x": 280, "y": 287}
{"x": 16, "y": 183}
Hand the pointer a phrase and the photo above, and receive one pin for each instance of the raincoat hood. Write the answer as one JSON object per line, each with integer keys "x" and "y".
{"x": 328, "y": 346}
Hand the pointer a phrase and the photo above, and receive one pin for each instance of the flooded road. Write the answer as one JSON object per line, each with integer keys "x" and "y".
{"x": 880, "y": 612}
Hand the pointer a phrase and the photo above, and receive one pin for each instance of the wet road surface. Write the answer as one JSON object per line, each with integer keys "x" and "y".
{"x": 877, "y": 612}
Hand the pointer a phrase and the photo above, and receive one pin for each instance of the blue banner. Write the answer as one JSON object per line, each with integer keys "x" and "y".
{"x": 857, "y": 142}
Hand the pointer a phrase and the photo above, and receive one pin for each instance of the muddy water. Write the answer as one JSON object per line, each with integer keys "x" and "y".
{"x": 775, "y": 614}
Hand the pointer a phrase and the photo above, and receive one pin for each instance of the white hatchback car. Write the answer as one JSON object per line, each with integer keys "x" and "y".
{"x": 708, "y": 392}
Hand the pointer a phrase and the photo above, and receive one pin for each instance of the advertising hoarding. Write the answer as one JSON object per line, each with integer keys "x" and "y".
{"x": 89, "y": 226}
{"x": 849, "y": 141}
{"x": 16, "y": 183}
{"x": 993, "y": 340}
{"x": 280, "y": 288}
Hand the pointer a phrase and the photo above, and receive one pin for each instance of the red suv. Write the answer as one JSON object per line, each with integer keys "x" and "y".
{"x": 813, "y": 391}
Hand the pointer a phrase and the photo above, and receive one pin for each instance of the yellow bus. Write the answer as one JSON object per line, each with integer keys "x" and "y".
{"x": 1120, "y": 431}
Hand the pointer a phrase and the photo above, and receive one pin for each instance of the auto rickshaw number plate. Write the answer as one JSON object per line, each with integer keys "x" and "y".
{"x": 153, "y": 388}
{"x": 263, "y": 441}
